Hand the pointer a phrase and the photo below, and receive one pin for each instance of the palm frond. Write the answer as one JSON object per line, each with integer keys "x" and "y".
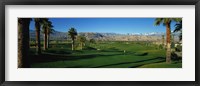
{"x": 177, "y": 19}
{"x": 158, "y": 21}
{"x": 72, "y": 32}
{"x": 178, "y": 27}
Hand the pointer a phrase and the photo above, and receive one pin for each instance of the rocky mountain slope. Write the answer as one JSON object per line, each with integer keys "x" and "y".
{"x": 154, "y": 36}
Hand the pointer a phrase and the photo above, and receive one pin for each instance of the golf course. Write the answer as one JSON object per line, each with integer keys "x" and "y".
{"x": 104, "y": 55}
{"x": 99, "y": 42}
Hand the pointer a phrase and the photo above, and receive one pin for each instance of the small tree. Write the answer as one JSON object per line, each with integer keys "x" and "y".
{"x": 92, "y": 41}
{"x": 163, "y": 40}
{"x": 81, "y": 40}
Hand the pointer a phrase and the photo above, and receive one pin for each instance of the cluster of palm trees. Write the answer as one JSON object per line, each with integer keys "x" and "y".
{"x": 81, "y": 39}
{"x": 23, "y": 38}
{"x": 167, "y": 23}
{"x": 47, "y": 30}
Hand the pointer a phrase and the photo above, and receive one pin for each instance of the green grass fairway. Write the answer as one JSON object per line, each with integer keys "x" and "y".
{"x": 103, "y": 55}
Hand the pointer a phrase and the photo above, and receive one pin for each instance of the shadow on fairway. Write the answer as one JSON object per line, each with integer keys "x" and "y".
{"x": 76, "y": 67}
{"x": 142, "y": 54}
{"x": 160, "y": 58}
{"x": 53, "y": 57}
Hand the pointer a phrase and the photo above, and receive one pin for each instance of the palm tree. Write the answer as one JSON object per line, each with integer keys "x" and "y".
{"x": 72, "y": 33}
{"x": 178, "y": 28}
{"x": 23, "y": 42}
{"x": 38, "y": 22}
{"x": 49, "y": 31}
{"x": 167, "y": 22}
{"x": 82, "y": 40}
{"x": 44, "y": 28}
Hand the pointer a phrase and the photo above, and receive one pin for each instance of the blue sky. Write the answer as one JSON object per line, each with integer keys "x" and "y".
{"x": 113, "y": 25}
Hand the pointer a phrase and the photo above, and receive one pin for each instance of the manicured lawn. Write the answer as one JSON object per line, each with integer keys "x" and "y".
{"x": 103, "y": 55}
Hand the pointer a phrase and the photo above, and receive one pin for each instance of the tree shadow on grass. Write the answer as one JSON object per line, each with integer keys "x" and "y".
{"x": 142, "y": 54}
{"x": 146, "y": 64}
{"x": 57, "y": 57}
{"x": 158, "y": 58}
{"x": 58, "y": 51}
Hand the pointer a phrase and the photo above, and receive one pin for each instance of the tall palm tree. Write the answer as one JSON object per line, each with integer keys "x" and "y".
{"x": 49, "y": 31}
{"x": 82, "y": 41}
{"x": 38, "y": 22}
{"x": 167, "y": 22}
{"x": 23, "y": 42}
{"x": 178, "y": 28}
{"x": 45, "y": 26}
{"x": 72, "y": 33}
{"x": 44, "y": 31}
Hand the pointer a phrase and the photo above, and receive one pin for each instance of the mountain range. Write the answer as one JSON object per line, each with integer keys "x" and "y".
{"x": 152, "y": 36}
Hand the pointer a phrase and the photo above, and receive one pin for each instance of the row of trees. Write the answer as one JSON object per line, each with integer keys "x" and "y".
{"x": 23, "y": 38}
{"x": 46, "y": 26}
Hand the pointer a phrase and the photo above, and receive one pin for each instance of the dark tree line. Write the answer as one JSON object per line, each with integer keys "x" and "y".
{"x": 23, "y": 38}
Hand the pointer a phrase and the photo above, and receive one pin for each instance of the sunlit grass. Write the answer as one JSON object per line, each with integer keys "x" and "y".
{"x": 103, "y": 55}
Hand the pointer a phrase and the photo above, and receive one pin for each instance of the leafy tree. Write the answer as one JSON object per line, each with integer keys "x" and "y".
{"x": 167, "y": 22}
{"x": 72, "y": 33}
{"x": 23, "y": 42}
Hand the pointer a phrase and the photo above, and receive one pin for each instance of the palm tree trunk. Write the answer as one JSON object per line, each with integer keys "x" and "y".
{"x": 168, "y": 53}
{"x": 23, "y": 42}
{"x": 45, "y": 39}
{"x": 38, "y": 46}
{"x": 72, "y": 44}
{"x": 48, "y": 38}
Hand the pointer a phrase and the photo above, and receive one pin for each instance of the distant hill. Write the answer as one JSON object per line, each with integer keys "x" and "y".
{"x": 153, "y": 36}
{"x": 56, "y": 35}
